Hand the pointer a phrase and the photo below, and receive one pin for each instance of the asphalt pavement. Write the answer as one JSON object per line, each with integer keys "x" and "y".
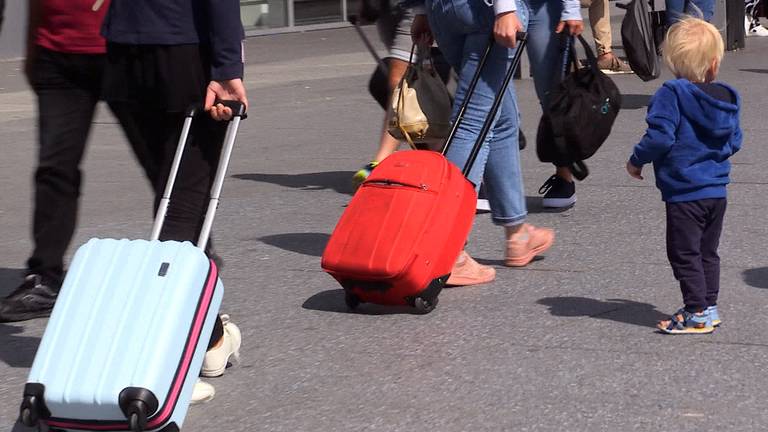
{"x": 565, "y": 344}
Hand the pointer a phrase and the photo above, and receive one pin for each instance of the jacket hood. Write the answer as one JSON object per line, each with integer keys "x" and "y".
{"x": 710, "y": 116}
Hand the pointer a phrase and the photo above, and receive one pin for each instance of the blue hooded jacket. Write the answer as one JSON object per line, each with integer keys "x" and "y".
{"x": 690, "y": 136}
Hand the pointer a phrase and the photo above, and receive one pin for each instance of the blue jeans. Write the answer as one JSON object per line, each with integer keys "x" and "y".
{"x": 704, "y": 9}
{"x": 544, "y": 51}
{"x": 462, "y": 29}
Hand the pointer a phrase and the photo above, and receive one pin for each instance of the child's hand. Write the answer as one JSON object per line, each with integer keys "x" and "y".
{"x": 636, "y": 172}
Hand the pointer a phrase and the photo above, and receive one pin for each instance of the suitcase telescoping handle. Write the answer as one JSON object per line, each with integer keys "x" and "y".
{"x": 238, "y": 113}
{"x": 522, "y": 38}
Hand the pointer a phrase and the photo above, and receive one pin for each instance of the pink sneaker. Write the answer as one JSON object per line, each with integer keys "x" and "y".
{"x": 467, "y": 271}
{"x": 524, "y": 245}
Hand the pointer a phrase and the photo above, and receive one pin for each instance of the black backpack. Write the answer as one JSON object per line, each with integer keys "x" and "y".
{"x": 639, "y": 36}
{"x": 581, "y": 112}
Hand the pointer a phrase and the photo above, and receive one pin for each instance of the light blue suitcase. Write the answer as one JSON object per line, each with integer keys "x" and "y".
{"x": 126, "y": 339}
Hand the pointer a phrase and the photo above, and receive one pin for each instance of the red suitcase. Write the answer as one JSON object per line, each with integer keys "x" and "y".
{"x": 399, "y": 237}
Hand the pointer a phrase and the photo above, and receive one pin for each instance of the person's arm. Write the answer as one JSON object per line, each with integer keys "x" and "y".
{"x": 33, "y": 21}
{"x": 663, "y": 118}
{"x": 227, "y": 62}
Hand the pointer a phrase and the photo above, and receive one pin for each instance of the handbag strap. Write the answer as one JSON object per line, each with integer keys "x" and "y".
{"x": 401, "y": 97}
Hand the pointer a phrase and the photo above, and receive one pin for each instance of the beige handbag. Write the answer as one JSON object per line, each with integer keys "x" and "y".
{"x": 421, "y": 106}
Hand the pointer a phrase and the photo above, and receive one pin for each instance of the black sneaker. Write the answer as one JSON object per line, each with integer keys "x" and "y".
{"x": 558, "y": 193}
{"x": 34, "y": 298}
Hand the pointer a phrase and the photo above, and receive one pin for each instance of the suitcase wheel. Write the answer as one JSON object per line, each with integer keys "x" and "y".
{"x": 351, "y": 300}
{"x": 425, "y": 306}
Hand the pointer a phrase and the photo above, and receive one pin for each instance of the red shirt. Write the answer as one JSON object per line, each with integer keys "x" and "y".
{"x": 71, "y": 26}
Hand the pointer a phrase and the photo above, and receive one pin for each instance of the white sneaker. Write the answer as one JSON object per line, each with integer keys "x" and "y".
{"x": 759, "y": 30}
{"x": 747, "y": 24}
{"x": 202, "y": 392}
{"x": 216, "y": 359}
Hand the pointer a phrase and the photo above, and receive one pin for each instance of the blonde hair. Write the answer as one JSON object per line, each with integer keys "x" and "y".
{"x": 691, "y": 46}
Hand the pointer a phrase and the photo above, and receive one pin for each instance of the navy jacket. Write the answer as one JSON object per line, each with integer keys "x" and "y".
{"x": 215, "y": 23}
{"x": 690, "y": 136}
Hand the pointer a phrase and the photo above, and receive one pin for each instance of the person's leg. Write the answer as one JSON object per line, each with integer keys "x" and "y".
{"x": 709, "y": 243}
{"x": 675, "y": 9}
{"x": 545, "y": 54}
{"x": 451, "y": 31}
{"x": 67, "y": 89}
{"x": 704, "y": 9}
{"x": 685, "y": 225}
{"x": 67, "y": 92}
{"x": 600, "y": 21}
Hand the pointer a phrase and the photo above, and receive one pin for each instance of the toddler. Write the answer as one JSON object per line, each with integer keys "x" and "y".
{"x": 693, "y": 128}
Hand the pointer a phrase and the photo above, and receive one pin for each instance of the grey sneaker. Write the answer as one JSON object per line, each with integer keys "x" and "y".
{"x": 611, "y": 65}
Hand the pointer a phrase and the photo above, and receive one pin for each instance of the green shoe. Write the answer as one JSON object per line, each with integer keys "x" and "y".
{"x": 363, "y": 174}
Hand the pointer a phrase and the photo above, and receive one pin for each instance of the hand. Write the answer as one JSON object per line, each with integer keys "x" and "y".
{"x": 636, "y": 172}
{"x": 224, "y": 90}
{"x": 575, "y": 27}
{"x": 505, "y": 29}
{"x": 421, "y": 33}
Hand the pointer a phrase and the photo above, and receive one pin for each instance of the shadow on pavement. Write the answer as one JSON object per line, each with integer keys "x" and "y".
{"x": 534, "y": 206}
{"x": 333, "y": 301}
{"x": 624, "y": 311}
{"x": 9, "y": 280}
{"x": 312, "y": 244}
{"x": 760, "y": 71}
{"x": 17, "y": 351}
{"x": 635, "y": 101}
{"x": 340, "y": 181}
{"x": 756, "y": 277}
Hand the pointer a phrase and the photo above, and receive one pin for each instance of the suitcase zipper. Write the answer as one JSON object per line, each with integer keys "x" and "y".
{"x": 389, "y": 183}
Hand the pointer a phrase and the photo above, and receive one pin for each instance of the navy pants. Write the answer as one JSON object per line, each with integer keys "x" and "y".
{"x": 693, "y": 234}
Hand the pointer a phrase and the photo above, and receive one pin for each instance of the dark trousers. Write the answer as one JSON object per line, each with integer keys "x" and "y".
{"x": 154, "y": 137}
{"x": 67, "y": 88}
{"x": 693, "y": 234}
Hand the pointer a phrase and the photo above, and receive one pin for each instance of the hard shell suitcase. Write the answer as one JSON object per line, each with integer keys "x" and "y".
{"x": 398, "y": 239}
{"x": 126, "y": 339}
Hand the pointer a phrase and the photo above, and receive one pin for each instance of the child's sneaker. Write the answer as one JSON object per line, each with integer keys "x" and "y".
{"x": 714, "y": 315}
{"x": 684, "y": 322}
{"x": 363, "y": 174}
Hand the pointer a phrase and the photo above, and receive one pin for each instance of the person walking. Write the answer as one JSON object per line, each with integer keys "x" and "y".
{"x": 462, "y": 29}
{"x": 162, "y": 58}
{"x": 64, "y": 65}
